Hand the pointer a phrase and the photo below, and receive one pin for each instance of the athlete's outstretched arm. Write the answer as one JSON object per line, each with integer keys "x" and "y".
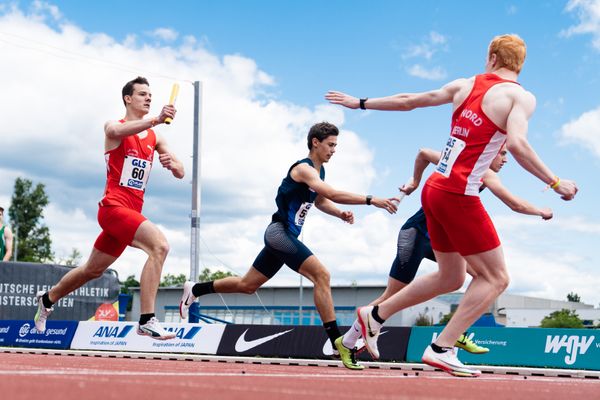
{"x": 328, "y": 207}
{"x": 492, "y": 181}
{"x": 516, "y": 142}
{"x": 306, "y": 174}
{"x": 168, "y": 159}
{"x": 422, "y": 161}
{"x": 401, "y": 101}
{"x": 116, "y": 130}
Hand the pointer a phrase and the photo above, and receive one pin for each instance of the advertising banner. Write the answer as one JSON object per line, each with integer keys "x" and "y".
{"x": 58, "y": 334}
{"x": 123, "y": 336}
{"x": 532, "y": 347}
{"x": 301, "y": 342}
{"x": 20, "y": 281}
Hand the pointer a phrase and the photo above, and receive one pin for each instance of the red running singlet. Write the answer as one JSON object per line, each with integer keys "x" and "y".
{"x": 474, "y": 142}
{"x": 127, "y": 171}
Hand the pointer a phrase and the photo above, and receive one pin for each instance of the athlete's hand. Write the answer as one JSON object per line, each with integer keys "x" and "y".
{"x": 567, "y": 189}
{"x": 167, "y": 160}
{"x": 342, "y": 99}
{"x": 387, "y": 204}
{"x": 546, "y": 213}
{"x": 167, "y": 111}
{"x": 347, "y": 216}
{"x": 409, "y": 187}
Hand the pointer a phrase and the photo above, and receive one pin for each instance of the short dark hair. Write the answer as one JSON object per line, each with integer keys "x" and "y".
{"x": 128, "y": 88}
{"x": 1, "y": 208}
{"x": 321, "y": 131}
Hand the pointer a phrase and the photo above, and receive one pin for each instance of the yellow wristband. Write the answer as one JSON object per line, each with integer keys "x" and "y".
{"x": 554, "y": 184}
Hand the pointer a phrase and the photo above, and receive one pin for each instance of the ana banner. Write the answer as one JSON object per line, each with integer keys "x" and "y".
{"x": 301, "y": 342}
{"x": 19, "y": 283}
{"x": 532, "y": 347}
{"x": 122, "y": 336}
{"x": 58, "y": 334}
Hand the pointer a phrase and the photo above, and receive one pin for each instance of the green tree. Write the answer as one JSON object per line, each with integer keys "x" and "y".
{"x": 26, "y": 213}
{"x": 173, "y": 280}
{"x": 129, "y": 283}
{"x": 72, "y": 260}
{"x": 207, "y": 275}
{"x": 562, "y": 319}
{"x": 446, "y": 318}
{"x": 574, "y": 297}
{"x": 424, "y": 320}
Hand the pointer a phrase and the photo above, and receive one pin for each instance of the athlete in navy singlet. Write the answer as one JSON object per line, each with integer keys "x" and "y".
{"x": 303, "y": 187}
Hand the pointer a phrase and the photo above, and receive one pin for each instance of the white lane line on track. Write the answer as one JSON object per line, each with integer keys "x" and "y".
{"x": 194, "y": 374}
{"x": 431, "y": 375}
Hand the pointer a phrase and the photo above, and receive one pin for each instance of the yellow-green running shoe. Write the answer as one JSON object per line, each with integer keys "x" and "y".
{"x": 347, "y": 355}
{"x": 467, "y": 344}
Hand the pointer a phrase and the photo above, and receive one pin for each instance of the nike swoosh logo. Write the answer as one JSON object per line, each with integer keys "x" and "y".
{"x": 244, "y": 345}
{"x": 371, "y": 334}
{"x": 186, "y": 301}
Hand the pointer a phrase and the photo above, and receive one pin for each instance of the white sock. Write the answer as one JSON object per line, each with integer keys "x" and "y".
{"x": 353, "y": 334}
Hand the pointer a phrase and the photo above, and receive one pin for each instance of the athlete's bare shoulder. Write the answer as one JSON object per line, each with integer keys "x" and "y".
{"x": 523, "y": 98}
{"x": 460, "y": 89}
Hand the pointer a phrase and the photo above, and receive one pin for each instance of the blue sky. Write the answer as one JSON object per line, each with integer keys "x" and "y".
{"x": 266, "y": 66}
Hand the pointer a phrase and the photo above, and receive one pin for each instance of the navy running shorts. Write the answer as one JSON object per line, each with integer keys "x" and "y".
{"x": 413, "y": 247}
{"x": 281, "y": 247}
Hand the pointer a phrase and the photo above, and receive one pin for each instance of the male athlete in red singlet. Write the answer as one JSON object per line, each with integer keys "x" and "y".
{"x": 129, "y": 146}
{"x": 489, "y": 110}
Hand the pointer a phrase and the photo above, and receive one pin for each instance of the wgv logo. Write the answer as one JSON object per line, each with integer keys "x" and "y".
{"x": 112, "y": 331}
{"x": 572, "y": 344}
{"x": 183, "y": 333}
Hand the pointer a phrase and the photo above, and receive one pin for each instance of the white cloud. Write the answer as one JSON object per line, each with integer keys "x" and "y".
{"x": 428, "y": 47}
{"x": 537, "y": 271}
{"x": 584, "y": 130}
{"x": 426, "y": 51}
{"x": 588, "y": 13}
{"x": 166, "y": 34}
{"x": 433, "y": 74}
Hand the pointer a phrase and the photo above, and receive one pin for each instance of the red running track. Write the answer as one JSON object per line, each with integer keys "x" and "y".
{"x": 50, "y": 377}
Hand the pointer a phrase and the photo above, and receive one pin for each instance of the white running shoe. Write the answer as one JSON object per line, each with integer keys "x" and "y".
{"x": 370, "y": 330}
{"x": 42, "y": 313}
{"x": 153, "y": 329}
{"x": 448, "y": 362}
{"x": 186, "y": 299}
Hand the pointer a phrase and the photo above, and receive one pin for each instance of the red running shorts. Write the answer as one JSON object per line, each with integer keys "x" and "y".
{"x": 457, "y": 222}
{"x": 119, "y": 225}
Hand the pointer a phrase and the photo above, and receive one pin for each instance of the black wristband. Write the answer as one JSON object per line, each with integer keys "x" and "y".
{"x": 362, "y": 103}
{"x": 369, "y": 198}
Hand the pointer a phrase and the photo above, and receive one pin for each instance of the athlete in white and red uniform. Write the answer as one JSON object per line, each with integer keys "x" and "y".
{"x": 489, "y": 110}
{"x": 129, "y": 146}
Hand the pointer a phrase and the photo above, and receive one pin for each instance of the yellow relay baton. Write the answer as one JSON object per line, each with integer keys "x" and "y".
{"x": 174, "y": 93}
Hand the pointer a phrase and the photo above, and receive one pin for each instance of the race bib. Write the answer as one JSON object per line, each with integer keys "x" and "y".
{"x": 135, "y": 173}
{"x": 453, "y": 149}
{"x": 301, "y": 213}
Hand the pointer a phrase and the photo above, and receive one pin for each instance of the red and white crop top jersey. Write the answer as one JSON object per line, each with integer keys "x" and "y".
{"x": 127, "y": 170}
{"x": 474, "y": 142}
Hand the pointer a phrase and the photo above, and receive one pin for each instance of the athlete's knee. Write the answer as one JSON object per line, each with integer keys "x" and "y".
{"x": 322, "y": 277}
{"x": 160, "y": 248}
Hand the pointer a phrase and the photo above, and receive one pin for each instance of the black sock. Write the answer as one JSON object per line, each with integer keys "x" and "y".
{"x": 439, "y": 349}
{"x": 332, "y": 330}
{"x": 46, "y": 301}
{"x": 200, "y": 289}
{"x": 375, "y": 314}
{"x": 145, "y": 318}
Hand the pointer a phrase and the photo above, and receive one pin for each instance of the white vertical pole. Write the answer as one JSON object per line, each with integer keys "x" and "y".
{"x": 196, "y": 187}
